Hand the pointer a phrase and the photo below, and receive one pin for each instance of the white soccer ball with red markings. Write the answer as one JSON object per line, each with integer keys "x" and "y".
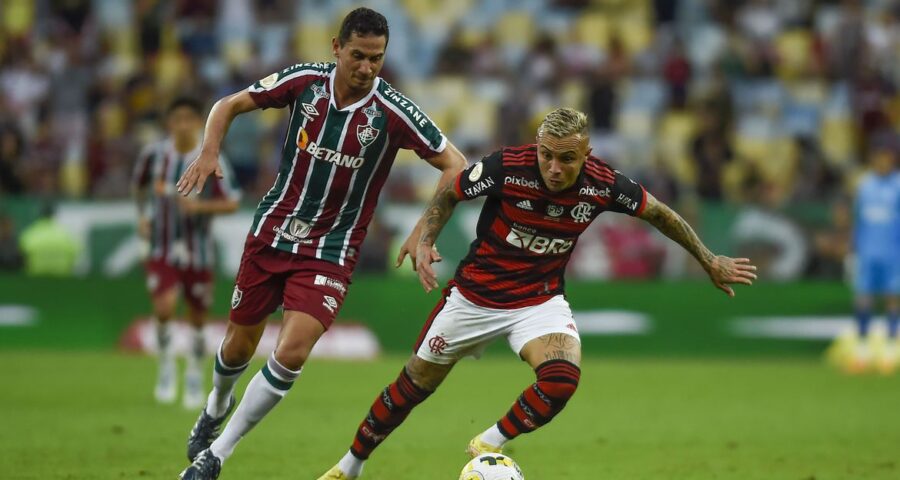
{"x": 492, "y": 466}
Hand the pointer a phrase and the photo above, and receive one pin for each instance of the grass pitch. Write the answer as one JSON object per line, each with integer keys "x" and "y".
{"x": 91, "y": 416}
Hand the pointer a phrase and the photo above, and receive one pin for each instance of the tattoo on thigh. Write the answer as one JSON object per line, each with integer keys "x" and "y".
{"x": 558, "y": 340}
{"x": 560, "y": 355}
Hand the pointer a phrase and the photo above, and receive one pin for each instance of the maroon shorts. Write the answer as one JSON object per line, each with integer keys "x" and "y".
{"x": 269, "y": 277}
{"x": 196, "y": 284}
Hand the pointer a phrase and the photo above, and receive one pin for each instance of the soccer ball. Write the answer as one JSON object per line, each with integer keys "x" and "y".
{"x": 491, "y": 466}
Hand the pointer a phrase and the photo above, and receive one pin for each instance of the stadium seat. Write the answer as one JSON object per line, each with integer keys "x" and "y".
{"x": 313, "y": 41}
{"x": 794, "y": 49}
{"x": 676, "y": 129}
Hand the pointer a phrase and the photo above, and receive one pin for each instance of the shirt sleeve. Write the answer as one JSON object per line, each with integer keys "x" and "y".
{"x": 418, "y": 132}
{"x": 484, "y": 177}
{"x": 280, "y": 89}
{"x": 628, "y": 196}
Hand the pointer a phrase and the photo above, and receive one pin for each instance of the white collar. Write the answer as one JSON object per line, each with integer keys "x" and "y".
{"x": 360, "y": 102}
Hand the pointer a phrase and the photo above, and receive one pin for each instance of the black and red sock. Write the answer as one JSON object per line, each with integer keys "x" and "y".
{"x": 556, "y": 382}
{"x": 387, "y": 412}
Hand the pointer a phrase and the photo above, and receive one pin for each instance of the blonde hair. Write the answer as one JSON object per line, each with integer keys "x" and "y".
{"x": 563, "y": 122}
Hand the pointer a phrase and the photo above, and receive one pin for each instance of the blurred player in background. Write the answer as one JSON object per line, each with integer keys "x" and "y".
{"x": 540, "y": 198}
{"x": 177, "y": 229}
{"x": 346, "y": 127}
{"x": 876, "y": 248}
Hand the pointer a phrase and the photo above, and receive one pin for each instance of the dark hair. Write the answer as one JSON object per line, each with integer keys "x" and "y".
{"x": 363, "y": 21}
{"x": 188, "y": 102}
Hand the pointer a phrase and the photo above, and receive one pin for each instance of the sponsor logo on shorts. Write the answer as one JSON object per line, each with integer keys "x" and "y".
{"x": 330, "y": 303}
{"x": 572, "y": 326}
{"x": 437, "y": 344}
{"x": 332, "y": 283}
{"x": 236, "y": 297}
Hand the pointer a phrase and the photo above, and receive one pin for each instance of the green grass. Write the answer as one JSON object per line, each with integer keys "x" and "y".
{"x": 90, "y": 415}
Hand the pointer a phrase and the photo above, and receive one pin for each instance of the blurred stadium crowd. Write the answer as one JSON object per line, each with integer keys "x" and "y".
{"x": 773, "y": 104}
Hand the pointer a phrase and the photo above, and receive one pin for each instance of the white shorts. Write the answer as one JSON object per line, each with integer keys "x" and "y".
{"x": 460, "y": 328}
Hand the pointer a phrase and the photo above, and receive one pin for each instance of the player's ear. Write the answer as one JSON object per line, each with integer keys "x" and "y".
{"x": 335, "y": 46}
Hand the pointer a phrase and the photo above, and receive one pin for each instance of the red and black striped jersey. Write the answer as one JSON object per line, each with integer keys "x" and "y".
{"x": 334, "y": 161}
{"x": 526, "y": 232}
{"x": 179, "y": 239}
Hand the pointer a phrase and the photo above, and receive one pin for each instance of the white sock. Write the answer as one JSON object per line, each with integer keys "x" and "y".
{"x": 265, "y": 390}
{"x": 163, "y": 339}
{"x": 224, "y": 378}
{"x": 197, "y": 349}
{"x": 164, "y": 345}
{"x": 351, "y": 465}
{"x": 492, "y": 436}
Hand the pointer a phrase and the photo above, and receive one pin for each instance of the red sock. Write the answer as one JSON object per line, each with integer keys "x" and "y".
{"x": 387, "y": 413}
{"x": 557, "y": 381}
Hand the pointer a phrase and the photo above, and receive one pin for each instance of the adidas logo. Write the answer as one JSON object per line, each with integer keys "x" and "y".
{"x": 525, "y": 205}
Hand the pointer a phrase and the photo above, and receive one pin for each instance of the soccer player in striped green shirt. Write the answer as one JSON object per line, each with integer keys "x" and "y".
{"x": 346, "y": 126}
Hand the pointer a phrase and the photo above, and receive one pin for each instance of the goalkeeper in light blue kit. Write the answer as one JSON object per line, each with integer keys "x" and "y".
{"x": 876, "y": 246}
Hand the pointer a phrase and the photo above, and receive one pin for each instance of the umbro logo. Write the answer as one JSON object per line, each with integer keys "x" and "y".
{"x": 309, "y": 111}
{"x": 525, "y": 205}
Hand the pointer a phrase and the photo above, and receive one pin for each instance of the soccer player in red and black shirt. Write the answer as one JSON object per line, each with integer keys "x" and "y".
{"x": 346, "y": 126}
{"x": 177, "y": 230}
{"x": 540, "y": 198}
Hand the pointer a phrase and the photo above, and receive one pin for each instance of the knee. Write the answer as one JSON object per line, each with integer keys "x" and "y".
{"x": 426, "y": 375}
{"x": 237, "y": 351}
{"x": 558, "y": 380}
{"x": 293, "y": 354}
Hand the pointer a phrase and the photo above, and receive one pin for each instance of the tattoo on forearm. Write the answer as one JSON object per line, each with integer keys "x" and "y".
{"x": 673, "y": 226}
{"x": 437, "y": 214}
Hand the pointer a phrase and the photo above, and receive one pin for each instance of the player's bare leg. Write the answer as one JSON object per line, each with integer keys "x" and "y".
{"x": 418, "y": 379}
{"x": 555, "y": 359}
{"x": 298, "y": 335}
{"x": 163, "y": 310}
{"x": 232, "y": 359}
{"x": 193, "y": 397}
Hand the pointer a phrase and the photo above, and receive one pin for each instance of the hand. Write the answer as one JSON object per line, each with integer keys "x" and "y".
{"x": 425, "y": 256}
{"x": 726, "y": 270}
{"x": 409, "y": 248}
{"x": 143, "y": 227}
{"x": 198, "y": 171}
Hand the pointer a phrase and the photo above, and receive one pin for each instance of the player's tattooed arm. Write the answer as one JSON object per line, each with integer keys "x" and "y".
{"x": 672, "y": 225}
{"x": 437, "y": 214}
{"x": 722, "y": 270}
{"x": 432, "y": 222}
